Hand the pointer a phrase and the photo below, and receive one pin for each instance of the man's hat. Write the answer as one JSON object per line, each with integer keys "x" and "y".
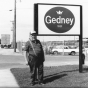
{"x": 32, "y": 32}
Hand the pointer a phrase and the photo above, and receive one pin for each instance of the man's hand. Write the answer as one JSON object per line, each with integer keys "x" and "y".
{"x": 25, "y": 57}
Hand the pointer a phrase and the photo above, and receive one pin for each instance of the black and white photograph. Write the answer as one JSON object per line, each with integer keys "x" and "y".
{"x": 43, "y": 43}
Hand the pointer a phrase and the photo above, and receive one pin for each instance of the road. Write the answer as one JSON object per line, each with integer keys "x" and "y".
{"x": 63, "y": 60}
{"x": 7, "y": 61}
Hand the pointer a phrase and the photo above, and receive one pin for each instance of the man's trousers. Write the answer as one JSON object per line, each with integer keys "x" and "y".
{"x": 36, "y": 70}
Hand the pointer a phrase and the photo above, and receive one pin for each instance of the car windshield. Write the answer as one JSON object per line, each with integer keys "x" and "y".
{"x": 58, "y": 47}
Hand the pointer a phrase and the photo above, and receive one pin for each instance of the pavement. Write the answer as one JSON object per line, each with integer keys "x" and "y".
{"x": 8, "y": 80}
{"x": 9, "y": 52}
{"x": 6, "y": 77}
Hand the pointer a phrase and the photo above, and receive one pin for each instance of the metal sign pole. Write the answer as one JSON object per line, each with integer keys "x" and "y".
{"x": 80, "y": 54}
{"x": 80, "y": 41}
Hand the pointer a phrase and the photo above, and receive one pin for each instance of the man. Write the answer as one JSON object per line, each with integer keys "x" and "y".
{"x": 35, "y": 58}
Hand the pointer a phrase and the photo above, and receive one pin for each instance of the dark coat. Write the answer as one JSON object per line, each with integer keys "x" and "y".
{"x": 39, "y": 57}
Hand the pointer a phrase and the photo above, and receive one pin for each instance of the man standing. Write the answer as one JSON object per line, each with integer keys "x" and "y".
{"x": 35, "y": 57}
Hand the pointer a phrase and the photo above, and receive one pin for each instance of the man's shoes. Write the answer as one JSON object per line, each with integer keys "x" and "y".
{"x": 41, "y": 83}
{"x": 36, "y": 80}
{"x": 27, "y": 64}
{"x": 32, "y": 84}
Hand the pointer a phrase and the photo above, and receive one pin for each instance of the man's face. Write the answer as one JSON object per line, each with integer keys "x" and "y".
{"x": 33, "y": 37}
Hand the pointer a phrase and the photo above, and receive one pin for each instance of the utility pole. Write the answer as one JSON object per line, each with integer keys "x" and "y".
{"x": 14, "y": 28}
{"x": 14, "y": 31}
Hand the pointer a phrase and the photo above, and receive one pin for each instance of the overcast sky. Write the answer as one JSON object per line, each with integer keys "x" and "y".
{"x": 24, "y": 19}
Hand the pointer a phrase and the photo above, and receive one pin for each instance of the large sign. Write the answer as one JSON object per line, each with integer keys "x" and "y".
{"x": 56, "y": 19}
{"x": 59, "y": 19}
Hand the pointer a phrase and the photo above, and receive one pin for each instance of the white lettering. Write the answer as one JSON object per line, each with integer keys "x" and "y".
{"x": 59, "y": 20}
{"x": 71, "y": 20}
{"x": 54, "y": 20}
{"x": 47, "y": 19}
{"x": 67, "y": 20}
{"x": 63, "y": 20}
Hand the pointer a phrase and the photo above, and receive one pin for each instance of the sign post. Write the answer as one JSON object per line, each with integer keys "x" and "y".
{"x": 80, "y": 42}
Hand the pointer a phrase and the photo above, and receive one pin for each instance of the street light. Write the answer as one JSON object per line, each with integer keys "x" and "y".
{"x": 12, "y": 34}
{"x": 14, "y": 31}
{"x": 14, "y": 28}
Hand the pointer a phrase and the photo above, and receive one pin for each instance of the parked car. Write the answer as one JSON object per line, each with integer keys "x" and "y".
{"x": 65, "y": 49}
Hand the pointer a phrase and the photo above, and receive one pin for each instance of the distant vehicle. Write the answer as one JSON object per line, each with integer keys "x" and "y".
{"x": 5, "y": 41}
{"x": 65, "y": 49}
{"x": 86, "y": 49}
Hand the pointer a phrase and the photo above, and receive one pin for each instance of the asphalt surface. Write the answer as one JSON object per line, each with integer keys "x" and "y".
{"x": 10, "y": 59}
